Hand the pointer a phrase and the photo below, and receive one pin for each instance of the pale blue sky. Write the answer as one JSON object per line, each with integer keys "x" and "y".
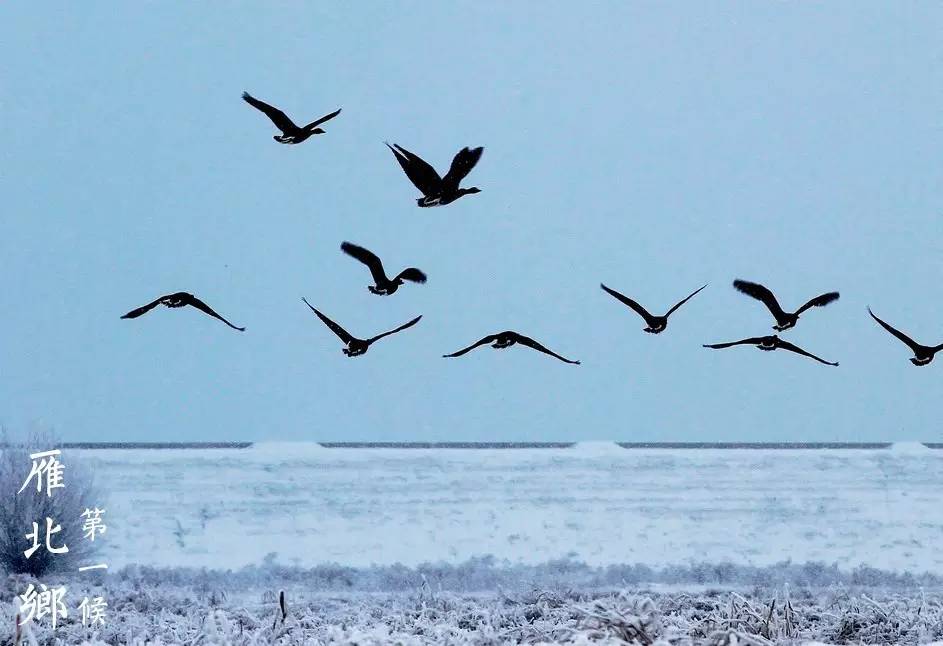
{"x": 653, "y": 146}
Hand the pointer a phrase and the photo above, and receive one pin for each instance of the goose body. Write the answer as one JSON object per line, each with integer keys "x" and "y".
{"x": 383, "y": 285}
{"x": 923, "y": 354}
{"x": 291, "y": 133}
{"x": 653, "y": 324}
{"x": 768, "y": 344}
{"x": 506, "y": 339}
{"x": 438, "y": 191}
{"x": 177, "y": 300}
{"x": 784, "y": 319}
{"x": 354, "y": 346}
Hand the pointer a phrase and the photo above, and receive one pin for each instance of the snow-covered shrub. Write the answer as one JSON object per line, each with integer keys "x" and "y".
{"x": 634, "y": 621}
{"x": 18, "y": 511}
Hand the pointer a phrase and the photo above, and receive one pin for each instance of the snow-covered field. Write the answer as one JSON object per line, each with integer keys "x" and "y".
{"x": 598, "y": 503}
{"x": 593, "y": 544}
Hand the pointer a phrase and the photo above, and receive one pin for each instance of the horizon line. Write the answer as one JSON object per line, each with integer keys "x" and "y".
{"x": 498, "y": 445}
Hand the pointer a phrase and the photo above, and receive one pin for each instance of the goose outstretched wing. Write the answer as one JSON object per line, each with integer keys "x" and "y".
{"x": 720, "y": 346}
{"x": 762, "y": 294}
{"x": 488, "y": 339}
{"x": 144, "y": 309}
{"x": 913, "y": 345}
{"x": 279, "y": 118}
{"x": 462, "y": 164}
{"x": 341, "y": 333}
{"x": 370, "y": 259}
{"x": 399, "y": 329}
{"x": 625, "y": 300}
{"x": 327, "y": 117}
{"x": 683, "y": 301}
{"x": 819, "y": 301}
{"x": 421, "y": 174}
{"x": 785, "y": 345}
{"x": 193, "y": 301}
{"x": 413, "y": 275}
{"x": 530, "y": 343}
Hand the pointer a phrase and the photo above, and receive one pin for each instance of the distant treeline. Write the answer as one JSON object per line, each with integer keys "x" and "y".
{"x": 489, "y": 573}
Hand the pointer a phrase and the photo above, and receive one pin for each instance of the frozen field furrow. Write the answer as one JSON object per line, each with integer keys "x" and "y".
{"x": 598, "y": 503}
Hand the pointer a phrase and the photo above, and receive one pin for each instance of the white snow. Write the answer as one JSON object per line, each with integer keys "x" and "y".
{"x": 595, "y": 502}
{"x": 910, "y": 448}
{"x": 594, "y": 448}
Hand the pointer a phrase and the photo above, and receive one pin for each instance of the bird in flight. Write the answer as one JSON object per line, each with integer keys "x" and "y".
{"x": 383, "y": 285}
{"x": 356, "y": 347}
{"x": 784, "y": 320}
{"x": 180, "y": 299}
{"x": 655, "y": 324}
{"x": 923, "y": 354}
{"x": 770, "y": 343}
{"x": 291, "y": 134}
{"x": 438, "y": 191}
{"x": 506, "y": 340}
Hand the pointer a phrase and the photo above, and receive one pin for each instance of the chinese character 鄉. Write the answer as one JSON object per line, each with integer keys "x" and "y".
{"x": 37, "y": 605}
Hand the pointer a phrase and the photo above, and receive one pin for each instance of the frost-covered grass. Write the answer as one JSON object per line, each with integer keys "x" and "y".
{"x": 181, "y": 606}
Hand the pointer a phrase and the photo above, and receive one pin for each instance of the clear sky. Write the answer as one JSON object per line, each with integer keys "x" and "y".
{"x": 652, "y": 146}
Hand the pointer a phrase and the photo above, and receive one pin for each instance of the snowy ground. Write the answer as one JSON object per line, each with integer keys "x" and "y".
{"x": 599, "y": 503}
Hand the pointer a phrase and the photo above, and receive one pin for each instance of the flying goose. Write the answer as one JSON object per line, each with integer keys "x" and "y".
{"x": 356, "y": 347}
{"x": 923, "y": 354}
{"x": 179, "y": 299}
{"x": 655, "y": 324}
{"x": 438, "y": 191}
{"x": 291, "y": 134}
{"x": 506, "y": 340}
{"x": 770, "y": 343}
{"x": 383, "y": 285}
{"x": 784, "y": 320}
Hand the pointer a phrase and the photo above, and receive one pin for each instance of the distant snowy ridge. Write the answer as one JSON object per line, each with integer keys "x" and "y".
{"x": 596, "y": 448}
{"x": 910, "y": 448}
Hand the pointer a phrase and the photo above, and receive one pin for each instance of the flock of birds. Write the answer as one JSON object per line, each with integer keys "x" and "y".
{"x": 439, "y": 191}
